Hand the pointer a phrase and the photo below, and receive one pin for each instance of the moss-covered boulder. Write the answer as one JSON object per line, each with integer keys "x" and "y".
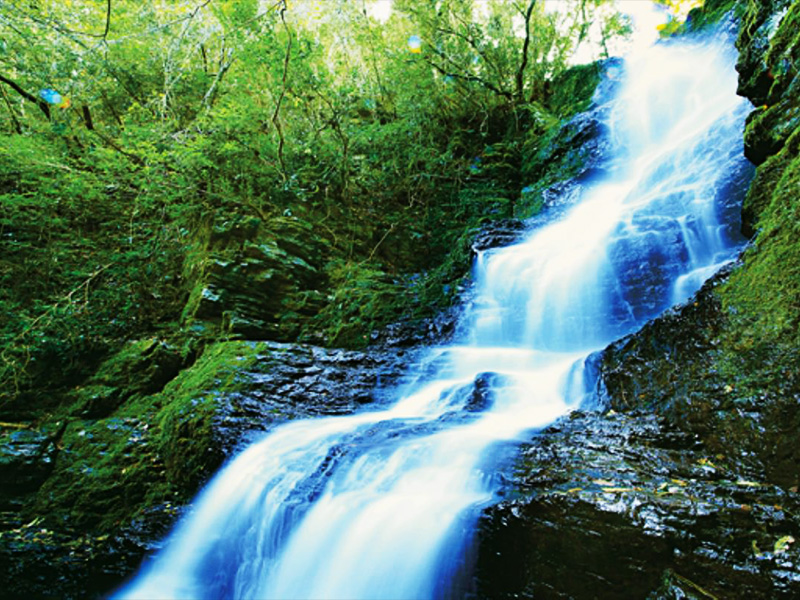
{"x": 140, "y": 368}
{"x": 768, "y": 66}
{"x": 256, "y": 279}
{"x": 560, "y": 153}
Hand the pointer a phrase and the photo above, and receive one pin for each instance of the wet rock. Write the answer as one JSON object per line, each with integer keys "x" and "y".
{"x": 413, "y": 334}
{"x": 482, "y": 397}
{"x": 26, "y": 459}
{"x": 612, "y": 505}
{"x": 293, "y": 381}
{"x": 41, "y": 561}
{"x": 675, "y": 366}
{"x": 654, "y": 367}
{"x": 497, "y": 234}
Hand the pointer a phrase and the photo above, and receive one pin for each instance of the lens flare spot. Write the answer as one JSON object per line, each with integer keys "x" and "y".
{"x": 51, "y": 96}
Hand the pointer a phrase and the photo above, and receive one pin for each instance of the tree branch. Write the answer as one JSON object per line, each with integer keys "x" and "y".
{"x": 473, "y": 44}
{"x": 275, "y": 115}
{"x": 473, "y": 78}
{"x": 224, "y": 65}
{"x": 27, "y": 95}
{"x": 525, "y": 45}
{"x": 87, "y": 118}
{"x": 108, "y": 19}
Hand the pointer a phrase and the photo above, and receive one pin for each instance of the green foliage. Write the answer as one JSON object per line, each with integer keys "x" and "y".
{"x": 87, "y": 260}
{"x": 184, "y": 117}
{"x": 572, "y": 90}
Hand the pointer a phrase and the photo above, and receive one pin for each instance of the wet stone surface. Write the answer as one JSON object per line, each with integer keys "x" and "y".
{"x": 305, "y": 381}
{"x": 622, "y": 505}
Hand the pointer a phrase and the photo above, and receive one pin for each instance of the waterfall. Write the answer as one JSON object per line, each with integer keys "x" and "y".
{"x": 380, "y": 504}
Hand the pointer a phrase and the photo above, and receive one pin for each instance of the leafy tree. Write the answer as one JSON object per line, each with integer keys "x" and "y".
{"x": 130, "y": 129}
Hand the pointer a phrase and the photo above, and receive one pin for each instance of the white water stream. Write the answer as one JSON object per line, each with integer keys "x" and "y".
{"x": 381, "y": 503}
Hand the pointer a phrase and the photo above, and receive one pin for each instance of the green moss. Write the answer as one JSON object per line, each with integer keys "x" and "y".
{"x": 154, "y": 448}
{"x": 786, "y": 41}
{"x": 571, "y": 91}
{"x": 761, "y": 190}
{"x": 758, "y": 348}
{"x": 364, "y": 297}
{"x": 711, "y": 13}
{"x": 764, "y": 294}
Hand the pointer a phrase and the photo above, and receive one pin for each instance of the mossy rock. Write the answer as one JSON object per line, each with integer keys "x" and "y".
{"x": 758, "y": 26}
{"x": 710, "y": 13}
{"x": 765, "y": 293}
{"x": 571, "y": 91}
{"x": 141, "y": 367}
{"x": 152, "y": 448}
{"x": 250, "y": 275}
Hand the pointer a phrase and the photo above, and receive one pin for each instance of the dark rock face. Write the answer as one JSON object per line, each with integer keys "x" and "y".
{"x": 481, "y": 398}
{"x": 678, "y": 340}
{"x": 768, "y": 68}
{"x": 497, "y": 234}
{"x": 291, "y": 381}
{"x": 26, "y": 460}
{"x": 673, "y": 366}
{"x": 608, "y": 506}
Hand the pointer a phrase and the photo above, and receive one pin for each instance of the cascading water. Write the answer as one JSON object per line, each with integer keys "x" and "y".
{"x": 379, "y": 504}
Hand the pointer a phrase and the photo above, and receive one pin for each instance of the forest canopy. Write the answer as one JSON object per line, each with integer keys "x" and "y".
{"x": 132, "y": 133}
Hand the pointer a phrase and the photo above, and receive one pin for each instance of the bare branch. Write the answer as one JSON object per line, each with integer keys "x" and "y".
{"x": 225, "y": 62}
{"x": 28, "y": 96}
{"x": 525, "y": 45}
{"x": 275, "y": 115}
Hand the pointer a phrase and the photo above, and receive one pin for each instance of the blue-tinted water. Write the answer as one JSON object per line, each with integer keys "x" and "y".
{"x": 380, "y": 504}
